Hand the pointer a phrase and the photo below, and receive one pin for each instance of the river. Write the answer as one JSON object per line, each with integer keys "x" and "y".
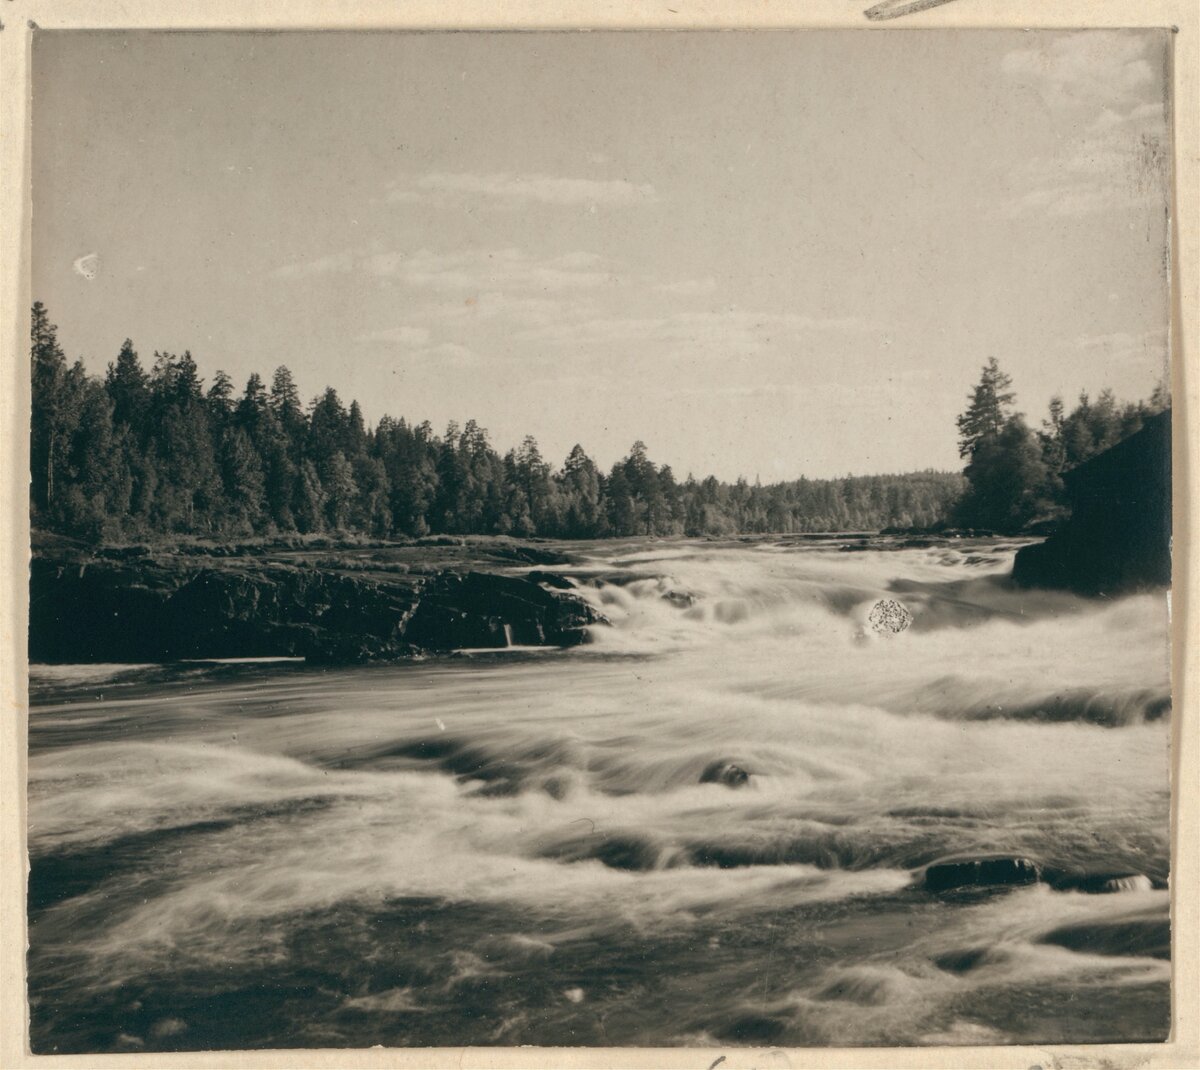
{"x": 517, "y": 847}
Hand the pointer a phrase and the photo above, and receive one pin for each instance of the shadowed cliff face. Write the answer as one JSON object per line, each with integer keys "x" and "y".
{"x": 178, "y": 606}
{"x": 1119, "y": 536}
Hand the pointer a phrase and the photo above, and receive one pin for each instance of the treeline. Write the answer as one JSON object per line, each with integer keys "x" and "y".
{"x": 1013, "y": 472}
{"x": 140, "y": 452}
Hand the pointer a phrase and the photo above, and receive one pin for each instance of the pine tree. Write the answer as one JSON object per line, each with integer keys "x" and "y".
{"x": 327, "y": 426}
{"x": 1008, "y": 480}
{"x": 285, "y": 402}
{"x": 126, "y": 384}
{"x": 310, "y": 499}
{"x": 252, "y": 404}
{"x": 337, "y": 477}
{"x": 244, "y": 482}
{"x": 581, "y": 489}
{"x": 988, "y": 411}
{"x": 220, "y": 398}
{"x": 51, "y": 403}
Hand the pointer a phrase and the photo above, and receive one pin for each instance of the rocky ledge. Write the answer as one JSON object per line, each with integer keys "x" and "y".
{"x": 1118, "y": 538}
{"x": 87, "y": 606}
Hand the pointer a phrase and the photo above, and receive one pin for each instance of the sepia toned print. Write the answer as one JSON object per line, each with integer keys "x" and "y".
{"x": 599, "y": 539}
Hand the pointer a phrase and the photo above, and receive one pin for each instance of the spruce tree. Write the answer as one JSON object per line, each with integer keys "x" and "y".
{"x": 989, "y": 409}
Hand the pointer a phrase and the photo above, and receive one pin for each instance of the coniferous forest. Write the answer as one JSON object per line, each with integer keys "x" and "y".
{"x": 145, "y": 452}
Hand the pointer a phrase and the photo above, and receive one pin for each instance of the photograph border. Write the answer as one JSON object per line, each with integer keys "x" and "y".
{"x": 20, "y": 20}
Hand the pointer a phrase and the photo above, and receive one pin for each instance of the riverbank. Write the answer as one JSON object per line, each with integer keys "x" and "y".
{"x": 327, "y": 600}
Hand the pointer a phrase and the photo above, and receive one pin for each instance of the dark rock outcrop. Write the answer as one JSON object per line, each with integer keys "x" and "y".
{"x": 727, "y": 773}
{"x": 988, "y": 871}
{"x": 1118, "y": 538}
{"x": 161, "y": 609}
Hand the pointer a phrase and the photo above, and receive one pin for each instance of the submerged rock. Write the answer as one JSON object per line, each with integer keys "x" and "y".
{"x": 962, "y": 960}
{"x": 988, "y": 871}
{"x": 727, "y": 773}
{"x": 1140, "y": 935}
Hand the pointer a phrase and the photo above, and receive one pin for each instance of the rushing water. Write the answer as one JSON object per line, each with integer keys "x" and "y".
{"x": 517, "y": 848}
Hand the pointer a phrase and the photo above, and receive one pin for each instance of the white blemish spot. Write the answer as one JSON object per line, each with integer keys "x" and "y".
{"x": 88, "y": 265}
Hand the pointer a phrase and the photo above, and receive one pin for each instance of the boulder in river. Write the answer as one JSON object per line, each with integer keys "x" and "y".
{"x": 1104, "y": 883}
{"x": 722, "y": 772}
{"x": 983, "y": 871}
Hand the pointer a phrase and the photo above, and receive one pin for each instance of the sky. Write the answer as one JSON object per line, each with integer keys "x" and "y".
{"x": 766, "y": 254}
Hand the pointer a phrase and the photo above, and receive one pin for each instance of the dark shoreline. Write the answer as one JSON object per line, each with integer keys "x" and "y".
{"x": 327, "y": 601}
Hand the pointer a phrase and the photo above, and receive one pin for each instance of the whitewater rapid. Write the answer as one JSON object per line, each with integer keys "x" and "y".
{"x": 518, "y": 847}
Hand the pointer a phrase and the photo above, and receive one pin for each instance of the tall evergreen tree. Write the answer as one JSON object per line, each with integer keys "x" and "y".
{"x": 126, "y": 384}
{"x": 220, "y": 398}
{"x": 51, "y": 416}
{"x": 989, "y": 408}
{"x": 243, "y": 478}
{"x": 285, "y": 402}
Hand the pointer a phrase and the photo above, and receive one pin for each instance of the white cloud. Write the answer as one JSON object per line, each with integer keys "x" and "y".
{"x": 508, "y": 188}
{"x": 526, "y": 311}
{"x": 480, "y": 270}
{"x": 732, "y": 331}
{"x": 336, "y": 263}
{"x": 1113, "y": 156}
{"x": 1063, "y": 201}
{"x": 490, "y": 269}
{"x": 1123, "y": 169}
{"x": 1123, "y": 344}
{"x": 405, "y": 335}
{"x": 689, "y": 287}
{"x": 1083, "y": 69}
{"x": 451, "y": 353}
{"x": 416, "y": 342}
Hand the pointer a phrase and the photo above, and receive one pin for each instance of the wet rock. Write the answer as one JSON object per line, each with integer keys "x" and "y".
{"x": 722, "y": 772}
{"x": 1104, "y": 883}
{"x": 551, "y": 579}
{"x": 83, "y": 608}
{"x": 534, "y": 555}
{"x": 679, "y": 598}
{"x": 989, "y": 871}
